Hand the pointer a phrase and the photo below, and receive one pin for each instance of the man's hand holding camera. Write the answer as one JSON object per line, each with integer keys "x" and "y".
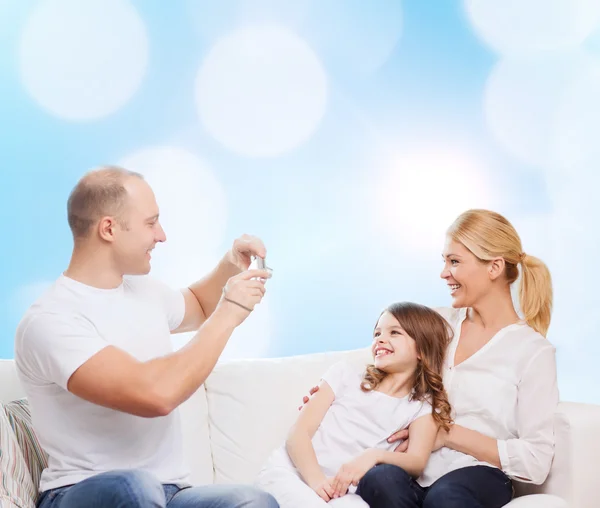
{"x": 245, "y": 290}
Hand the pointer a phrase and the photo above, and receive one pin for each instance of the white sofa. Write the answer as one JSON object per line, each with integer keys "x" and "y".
{"x": 245, "y": 408}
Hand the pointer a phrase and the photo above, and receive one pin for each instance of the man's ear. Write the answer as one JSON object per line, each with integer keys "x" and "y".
{"x": 496, "y": 268}
{"x": 106, "y": 228}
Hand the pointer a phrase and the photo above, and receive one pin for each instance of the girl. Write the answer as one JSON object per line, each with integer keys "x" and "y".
{"x": 342, "y": 432}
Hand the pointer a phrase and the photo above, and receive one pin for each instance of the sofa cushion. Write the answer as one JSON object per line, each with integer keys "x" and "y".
{"x": 196, "y": 440}
{"x": 16, "y": 486}
{"x": 19, "y": 417}
{"x": 538, "y": 501}
{"x": 253, "y": 403}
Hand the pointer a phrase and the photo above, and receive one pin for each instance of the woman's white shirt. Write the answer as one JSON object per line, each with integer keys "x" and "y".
{"x": 507, "y": 390}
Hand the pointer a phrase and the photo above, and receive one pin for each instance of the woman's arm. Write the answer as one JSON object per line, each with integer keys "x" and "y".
{"x": 529, "y": 456}
{"x": 299, "y": 442}
{"x": 471, "y": 442}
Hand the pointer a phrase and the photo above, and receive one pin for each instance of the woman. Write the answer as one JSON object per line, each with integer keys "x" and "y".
{"x": 500, "y": 376}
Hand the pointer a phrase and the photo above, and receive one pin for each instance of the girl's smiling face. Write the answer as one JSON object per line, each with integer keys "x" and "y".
{"x": 393, "y": 349}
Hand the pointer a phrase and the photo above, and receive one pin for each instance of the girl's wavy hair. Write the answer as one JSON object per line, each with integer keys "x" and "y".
{"x": 432, "y": 335}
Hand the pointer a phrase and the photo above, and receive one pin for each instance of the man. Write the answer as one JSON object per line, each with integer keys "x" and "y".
{"x": 95, "y": 357}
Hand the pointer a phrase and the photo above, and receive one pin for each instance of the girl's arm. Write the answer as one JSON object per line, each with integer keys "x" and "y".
{"x": 422, "y": 436}
{"x": 299, "y": 442}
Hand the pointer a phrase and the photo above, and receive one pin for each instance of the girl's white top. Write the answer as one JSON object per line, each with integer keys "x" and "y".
{"x": 507, "y": 390}
{"x": 356, "y": 421}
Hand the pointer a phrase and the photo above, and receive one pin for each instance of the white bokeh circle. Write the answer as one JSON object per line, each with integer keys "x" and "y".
{"x": 212, "y": 19}
{"x": 578, "y": 125}
{"x": 529, "y": 26}
{"x": 83, "y": 60}
{"x": 261, "y": 91}
{"x": 421, "y": 194}
{"x": 522, "y": 100}
{"x": 356, "y": 35}
{"x": 193, "y": 212}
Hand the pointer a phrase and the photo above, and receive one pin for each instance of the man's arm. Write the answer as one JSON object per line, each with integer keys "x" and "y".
{"x": 202, "y": 297}
{"x": 114, "y": 379}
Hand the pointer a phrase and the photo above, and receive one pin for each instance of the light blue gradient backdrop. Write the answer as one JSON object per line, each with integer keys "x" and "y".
{"x": 389, "y": 119}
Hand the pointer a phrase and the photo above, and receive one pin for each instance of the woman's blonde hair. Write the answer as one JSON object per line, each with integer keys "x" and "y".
{"x": 432, "y": 335}
{"x": 489, "y": 235}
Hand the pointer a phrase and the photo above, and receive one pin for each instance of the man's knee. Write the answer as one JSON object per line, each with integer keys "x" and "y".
{"x": 384, "y": 478}
{"x": 253, "y": 497}
{"x": 130, "y": 488}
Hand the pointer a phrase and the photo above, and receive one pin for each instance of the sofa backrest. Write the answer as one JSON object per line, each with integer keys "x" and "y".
{"x": 10, "y": 386}
{"x": 253, "y": 403}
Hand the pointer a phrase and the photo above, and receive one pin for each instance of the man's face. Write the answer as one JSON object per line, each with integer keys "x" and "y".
{"x": 140, "y": 230}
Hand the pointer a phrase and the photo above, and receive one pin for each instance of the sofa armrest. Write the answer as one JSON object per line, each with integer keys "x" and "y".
{"x": 575, "y": 469}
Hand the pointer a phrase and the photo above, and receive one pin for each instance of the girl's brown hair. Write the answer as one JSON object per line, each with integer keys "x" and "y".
{"x": 432, "y": 335}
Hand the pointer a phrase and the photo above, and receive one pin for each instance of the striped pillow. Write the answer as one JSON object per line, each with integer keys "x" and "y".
{"x": 16, "y": 486}
{"x": 19, "y": 416}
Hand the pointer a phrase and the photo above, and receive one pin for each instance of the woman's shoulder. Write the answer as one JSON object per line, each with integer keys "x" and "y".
{"x": 531, "y": 339}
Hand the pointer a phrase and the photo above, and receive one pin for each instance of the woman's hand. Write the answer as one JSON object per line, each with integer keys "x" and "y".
{"x": 352, "y": 472}
{"x": 306, "y": 398}
{"x": 402, "y": 436}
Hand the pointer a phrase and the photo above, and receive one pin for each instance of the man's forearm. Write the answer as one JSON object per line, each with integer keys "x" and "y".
{"x": 208, "y": 289}
{"x": 175, "y": 377}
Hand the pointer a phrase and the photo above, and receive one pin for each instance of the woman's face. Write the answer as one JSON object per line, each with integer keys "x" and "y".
{"x": 467, "y": 277}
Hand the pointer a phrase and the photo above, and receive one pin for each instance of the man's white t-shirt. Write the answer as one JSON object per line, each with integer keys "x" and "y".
{"x": 69, "y": 324}
{"x": 356, "y": 420}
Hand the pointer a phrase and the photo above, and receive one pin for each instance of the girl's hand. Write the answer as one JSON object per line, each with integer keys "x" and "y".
{"x": 323, "y": 488}
{"x": 352, "y": 472}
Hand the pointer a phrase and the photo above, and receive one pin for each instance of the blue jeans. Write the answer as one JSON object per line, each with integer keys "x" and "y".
{"x": 387, "y": 486}
{"x": 139, "y": 489}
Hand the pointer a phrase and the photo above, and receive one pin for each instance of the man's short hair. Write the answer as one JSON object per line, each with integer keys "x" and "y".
{"x": 98, "y": 193}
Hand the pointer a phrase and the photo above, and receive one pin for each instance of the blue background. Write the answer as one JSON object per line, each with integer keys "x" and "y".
{"x": 390, "y": 119}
